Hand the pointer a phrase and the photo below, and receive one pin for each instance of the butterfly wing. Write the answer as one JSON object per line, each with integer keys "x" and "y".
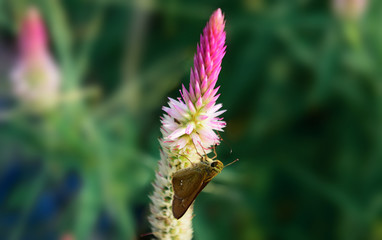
{"x": 187, "y": 185}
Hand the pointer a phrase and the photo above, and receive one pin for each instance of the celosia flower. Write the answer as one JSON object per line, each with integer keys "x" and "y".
{"x": 188, "y": 128}
{"x": 35, "y": 78}
{"x": 350, "y": 9}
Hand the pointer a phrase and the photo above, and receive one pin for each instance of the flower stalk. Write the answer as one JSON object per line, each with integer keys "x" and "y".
{"x": 188, "y": 129}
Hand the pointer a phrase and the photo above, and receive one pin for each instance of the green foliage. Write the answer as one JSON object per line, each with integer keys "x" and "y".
{"x": 302, "y": 89}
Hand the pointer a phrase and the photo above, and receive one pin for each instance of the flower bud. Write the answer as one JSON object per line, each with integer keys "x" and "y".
{"x": 35, "y": 77}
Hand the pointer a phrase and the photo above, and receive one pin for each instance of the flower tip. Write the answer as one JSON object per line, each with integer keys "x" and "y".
{"x": 33, "y": 36}
{"x": 33, "y": 13}
{"x": 217, "y": 18}
{"x": 218, "y": 12}
{"x": 33, "y": 20}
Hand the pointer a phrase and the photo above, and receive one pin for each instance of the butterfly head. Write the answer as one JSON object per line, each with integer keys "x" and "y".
{"x": 217, "y": 166}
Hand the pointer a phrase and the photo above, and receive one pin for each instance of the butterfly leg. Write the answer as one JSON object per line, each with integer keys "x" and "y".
{"x": 214, "y": 152}
{"x": 192, "y": 164}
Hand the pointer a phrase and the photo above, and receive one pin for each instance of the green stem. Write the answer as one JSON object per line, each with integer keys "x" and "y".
{"x": 89, "y": 205}
{"x": 105, "y": 173}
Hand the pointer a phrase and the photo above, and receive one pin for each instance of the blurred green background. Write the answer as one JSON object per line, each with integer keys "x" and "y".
{"x": 303, "y": 92}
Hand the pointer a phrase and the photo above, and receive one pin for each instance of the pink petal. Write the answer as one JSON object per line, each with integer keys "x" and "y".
{"x": 189, "y": 128}
{"x": 199, "y": 103}
{"x": 177, "y": 133}
{"x": 191, "y": 107}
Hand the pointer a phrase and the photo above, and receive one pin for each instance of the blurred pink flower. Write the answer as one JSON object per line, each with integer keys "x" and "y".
{"x": 67, "y": 236}
{"x": 35, "y": 78}
{"x": 352, "y": 9}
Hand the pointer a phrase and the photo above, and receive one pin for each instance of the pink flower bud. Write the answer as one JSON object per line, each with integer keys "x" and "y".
{"x": 35, "y": 78}
{"x": 351, "y": 9}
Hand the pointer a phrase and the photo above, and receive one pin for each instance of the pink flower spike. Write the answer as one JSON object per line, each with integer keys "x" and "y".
{"x": 35, "y": 77}
{"x": 188, "y": 128}
{"x": 32, "y": 38}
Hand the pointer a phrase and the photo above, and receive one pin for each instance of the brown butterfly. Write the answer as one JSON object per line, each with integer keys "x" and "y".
{"x": 189, "y": 182}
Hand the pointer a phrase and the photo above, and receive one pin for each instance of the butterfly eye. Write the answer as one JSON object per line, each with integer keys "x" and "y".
{"x": 213, "y": 164}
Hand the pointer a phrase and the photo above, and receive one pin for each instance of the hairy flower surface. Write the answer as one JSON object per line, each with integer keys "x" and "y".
{"x": 35, "y": 78}
{"x": 188, "y": 129}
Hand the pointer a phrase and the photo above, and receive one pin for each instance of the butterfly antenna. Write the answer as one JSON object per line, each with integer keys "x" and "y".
{"x": 232, "y": 162}
{"x": 204, "y": 151}
{"x": 196, "y": 149}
